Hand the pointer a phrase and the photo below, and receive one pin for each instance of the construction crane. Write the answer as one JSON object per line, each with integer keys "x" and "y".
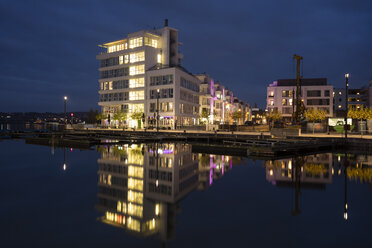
{"x": 298, "y": 111}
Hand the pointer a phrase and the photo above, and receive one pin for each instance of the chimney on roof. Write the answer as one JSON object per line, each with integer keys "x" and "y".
{"x": 166, "y": 23}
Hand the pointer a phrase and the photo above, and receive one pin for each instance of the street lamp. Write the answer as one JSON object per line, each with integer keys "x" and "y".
{"x": 157, "y": 110}
{"x": 65, "y": 101}
{"x": 346, "y": 101}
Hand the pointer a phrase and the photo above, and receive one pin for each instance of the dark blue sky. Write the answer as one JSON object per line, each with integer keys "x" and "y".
{"x": 48, "y": 48}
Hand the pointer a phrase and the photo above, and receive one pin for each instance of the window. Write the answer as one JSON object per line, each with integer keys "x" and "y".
{"x": 137, "y": 57}
{"x": 152, "y": 107}
{"x": 161, "y": 80}
{"x": 151, "y": 42}
{"x": 121, "y": 59}
{"x": 136, "y": 82}
{"x": 136, "y": 42}
{"x": 313, "y": 93}
{"x": 189, "y": 85}
{"x": 326, "y": 93}
{"x": 137, "y": 69}
{"x": 284, "y": 102}
{"x": 126, "y": 59}
{"x": 271, "y": 103}
{"x": 311, "y": 102}
{"x": 136, "y": 184}
{"x": 136, "y": 95}
{"x": 116, "y": 48}
{"x": 159, "y": 58}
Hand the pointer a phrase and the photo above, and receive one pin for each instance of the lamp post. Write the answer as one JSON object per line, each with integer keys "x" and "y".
{"x": 157, "y": 110}
{"x": 65, "y": 101}
{"x": 346, "y": 101}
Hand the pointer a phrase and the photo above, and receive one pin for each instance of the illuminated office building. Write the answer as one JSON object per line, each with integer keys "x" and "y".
{"x": 142, "y": 74}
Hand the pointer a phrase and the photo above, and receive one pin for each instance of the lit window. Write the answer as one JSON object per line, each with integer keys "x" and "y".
{"x": 137, "y": 69}
{"x": 137, "y": 57}
{"x": 136, "y": 95}
{"x": 135, "y": 210}
{"x": 159, "y": 58}
{"x": 272, "y": 93}
{"x": 135, "y": 184}
{"x": 339, "y": 93}
{"x": 151, "y": 42}
{"x": 271, "y": 103}
{"x": 134, "y": 224}
{"x": 136, "y": 82}
{"x": 136, "y": 42}
{"x": 290, "y": 102}
{"x": 135, "y": 171}
{"x": 157, "y": 209}
{"x": 126, "y": 59}
{"x": 121, "y": 59}
{"x": 136, "y": 197}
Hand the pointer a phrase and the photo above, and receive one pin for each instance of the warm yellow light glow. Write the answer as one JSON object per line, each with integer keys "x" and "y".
{"x": 136, "y": 95}
{"x": 271, "y": 172}
{"x": 339, "y": 106}
{"x": 136, "y": 184}
{"x": 136, "y": 82}
{"x": 345, "y": 216}
{"x": 135, "y": 42}
{"x": 158, "y": 90}
{"x": 347, "y": 75}
{"x": 65, "y": 98}
{"x": 157, "y": 209}
{"x": 136, "y": 69}
{"x": 64, "y": 167}
{"x": 135, "y": 171}
{"x": 135, "y": 210}
{"x": 121, "y": 59}
{"x": 290, "y": 164}
{"x": 135, "y": 197}
{"x": 137, "y": 57}
{"x": 159, "y": 58}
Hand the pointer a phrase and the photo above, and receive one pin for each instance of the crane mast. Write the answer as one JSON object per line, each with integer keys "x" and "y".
{"x": 297, "y": 113}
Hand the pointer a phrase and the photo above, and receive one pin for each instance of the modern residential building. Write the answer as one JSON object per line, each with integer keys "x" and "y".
{"x": 142, "y": 74}
{"x": 219, "y": 103}
{"x": 357, "y": 98}
{"x": 314, "y": 93}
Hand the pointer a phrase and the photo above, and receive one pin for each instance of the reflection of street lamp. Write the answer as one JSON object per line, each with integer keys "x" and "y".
{"x": 64, "y": 159}
{"x": 157, "y": 110}
{"x": 65, "y": 101}
{"x": 346, "y": 101}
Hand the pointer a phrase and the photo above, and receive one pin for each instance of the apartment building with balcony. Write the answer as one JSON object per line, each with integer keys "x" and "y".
{"x": 142, "y": 73}
{"x": 314, "y": 93}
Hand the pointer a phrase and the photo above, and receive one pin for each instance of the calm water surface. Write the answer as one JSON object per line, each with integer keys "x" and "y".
{"x": 164, "y": 195}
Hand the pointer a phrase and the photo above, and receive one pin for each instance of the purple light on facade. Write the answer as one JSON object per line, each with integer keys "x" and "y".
{"x": 275, "y": 83}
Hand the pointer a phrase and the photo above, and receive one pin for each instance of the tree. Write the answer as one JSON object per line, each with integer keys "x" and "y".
{"x": 314, "y": 115}
{"x": 101, "y": 116}
{"x": 360, "y": 114}
{"x": 137, "y": 116}
{"x": 237, "y": 115}
{"x": 204, "y": 114}
{"x": 274, "y": 116}
{"x": 119, "y": 117}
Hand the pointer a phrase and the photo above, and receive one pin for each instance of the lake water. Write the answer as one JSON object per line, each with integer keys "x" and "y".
{"x": 164, "y": 195}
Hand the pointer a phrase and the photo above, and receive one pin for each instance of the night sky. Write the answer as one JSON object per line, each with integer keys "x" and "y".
{"x": 48, "y": 48}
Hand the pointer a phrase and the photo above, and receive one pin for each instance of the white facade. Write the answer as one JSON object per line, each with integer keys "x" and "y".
{"x": 124, "y": 80}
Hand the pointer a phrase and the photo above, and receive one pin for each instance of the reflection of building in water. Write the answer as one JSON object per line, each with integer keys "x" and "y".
{"x": 315, "y": 171}
{"x": 359, "y": 167}
{"x": 139, "y": 186}
{"x": 211, "y": 168}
